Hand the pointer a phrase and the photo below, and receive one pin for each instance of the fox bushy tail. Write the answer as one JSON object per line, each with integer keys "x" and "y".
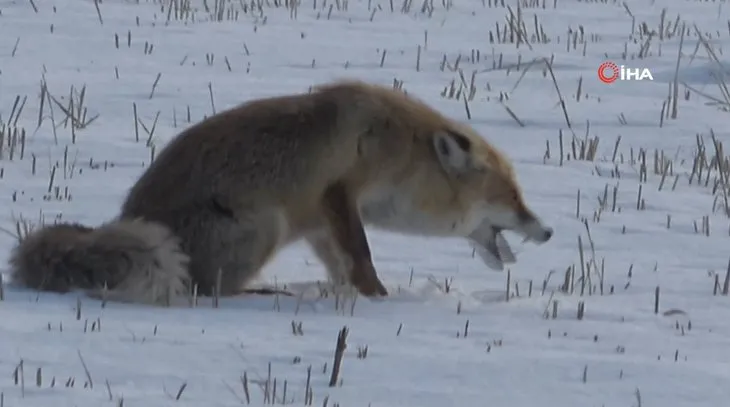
{"x": 124, "y": 260}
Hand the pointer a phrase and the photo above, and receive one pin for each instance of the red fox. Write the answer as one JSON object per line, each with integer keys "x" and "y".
{"x": 230, "y": 191}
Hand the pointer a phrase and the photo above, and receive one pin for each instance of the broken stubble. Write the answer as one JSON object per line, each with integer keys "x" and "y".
{"x": 340, "y": 347}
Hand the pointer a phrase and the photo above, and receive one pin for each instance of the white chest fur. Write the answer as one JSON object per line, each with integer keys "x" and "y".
{"x": 391, "y": 209}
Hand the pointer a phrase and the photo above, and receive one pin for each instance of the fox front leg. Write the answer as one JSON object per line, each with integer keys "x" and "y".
{"x": 348, "y": 235}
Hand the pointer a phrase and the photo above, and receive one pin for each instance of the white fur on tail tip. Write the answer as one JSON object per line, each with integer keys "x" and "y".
{"x": 157, "y": 275}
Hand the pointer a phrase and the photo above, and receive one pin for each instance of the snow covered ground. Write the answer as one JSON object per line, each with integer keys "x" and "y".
{"x": 447, "y": 336}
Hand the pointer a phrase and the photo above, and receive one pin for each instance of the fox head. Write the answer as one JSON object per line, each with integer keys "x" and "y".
{"x": 486, "y": 183}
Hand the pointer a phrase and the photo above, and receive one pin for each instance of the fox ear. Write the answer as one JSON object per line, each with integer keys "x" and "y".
{"x": 453, "y": 150}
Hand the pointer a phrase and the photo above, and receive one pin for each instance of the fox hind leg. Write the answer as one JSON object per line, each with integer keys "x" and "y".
{"x": 235, "y": 248}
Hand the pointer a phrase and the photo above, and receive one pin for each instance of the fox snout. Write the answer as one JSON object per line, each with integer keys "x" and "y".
{"x": 532, "y": 228}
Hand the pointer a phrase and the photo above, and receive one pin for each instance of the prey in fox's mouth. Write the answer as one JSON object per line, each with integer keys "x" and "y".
{"x": 491, "y": 246}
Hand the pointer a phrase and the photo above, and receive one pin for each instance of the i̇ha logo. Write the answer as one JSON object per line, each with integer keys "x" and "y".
{"x": 609, "y": 72}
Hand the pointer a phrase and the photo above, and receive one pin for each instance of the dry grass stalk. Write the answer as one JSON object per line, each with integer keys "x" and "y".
{"x": 726, "y": 284}
{"x": 86, "y": 371}
{"x": 507, "y": 293}
{"x": 340, "y": 347}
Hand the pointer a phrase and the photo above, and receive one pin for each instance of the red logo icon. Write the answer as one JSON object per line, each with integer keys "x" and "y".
{"x": 608, "y": 72}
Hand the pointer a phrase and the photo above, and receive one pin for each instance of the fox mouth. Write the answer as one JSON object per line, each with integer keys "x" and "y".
{"x": 494, "y": 250}
{"x": 489, "y": 243}
{"x": 499, "y": 247}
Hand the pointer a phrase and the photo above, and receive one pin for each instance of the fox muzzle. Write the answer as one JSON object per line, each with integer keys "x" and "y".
{"x": 535, "y": 231}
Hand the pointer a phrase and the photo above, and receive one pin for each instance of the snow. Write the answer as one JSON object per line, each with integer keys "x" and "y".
{"x": 620, "y": 354}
